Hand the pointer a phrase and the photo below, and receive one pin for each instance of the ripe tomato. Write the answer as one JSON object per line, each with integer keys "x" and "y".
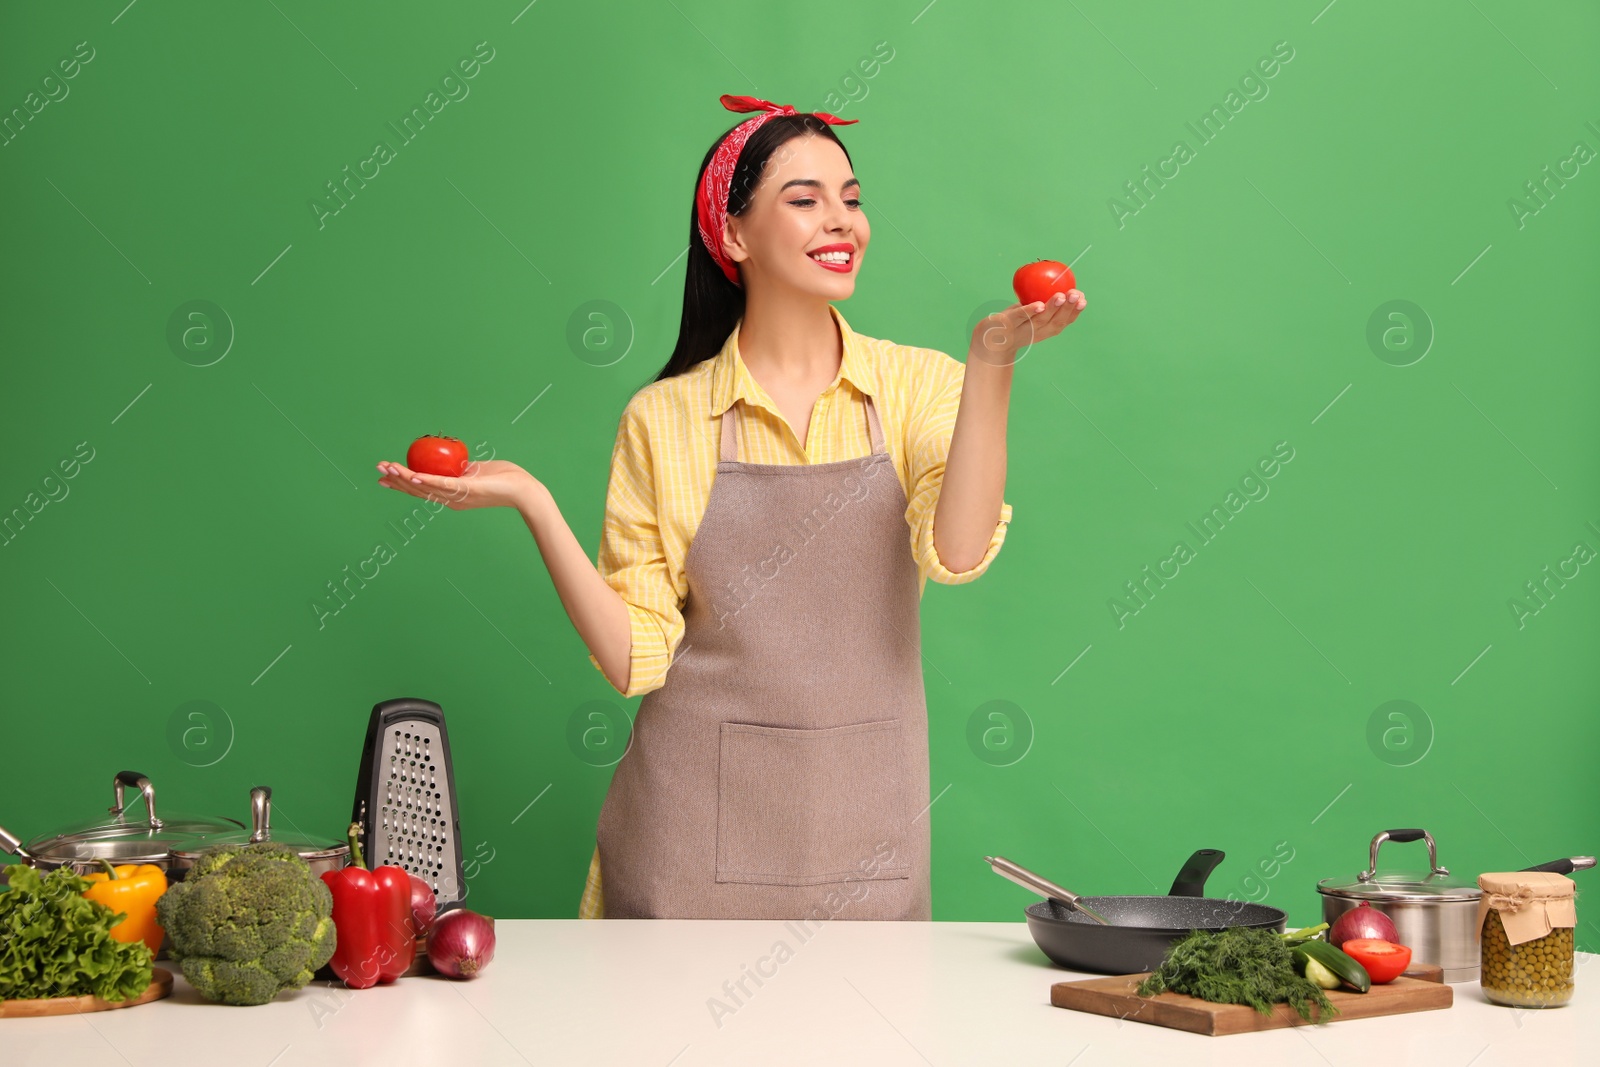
{"x": 1384, "y": 960}
{"x": 1042, "y": 278}
{"x": 437, "y": 454}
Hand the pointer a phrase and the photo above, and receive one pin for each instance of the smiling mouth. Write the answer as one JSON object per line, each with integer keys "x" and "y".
{"x": 838, "y": 262}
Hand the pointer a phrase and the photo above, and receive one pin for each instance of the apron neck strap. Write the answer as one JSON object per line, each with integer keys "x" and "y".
{"x": 874, "y": 427}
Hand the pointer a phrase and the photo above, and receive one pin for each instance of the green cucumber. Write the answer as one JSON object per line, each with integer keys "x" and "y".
{"x": 1319, "y": 975}
{"x": 1336, "y": 960}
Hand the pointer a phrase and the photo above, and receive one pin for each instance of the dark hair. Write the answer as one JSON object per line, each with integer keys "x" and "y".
{"x": 711, "y": 303}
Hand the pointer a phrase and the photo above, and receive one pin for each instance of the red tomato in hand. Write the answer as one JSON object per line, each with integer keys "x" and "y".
{"x": 1384, "y": 960}
{"x": 1041, "y": 279}
{"x": 436, "y": 454}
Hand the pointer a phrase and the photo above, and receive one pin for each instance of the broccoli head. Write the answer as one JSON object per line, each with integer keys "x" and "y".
{"x": 247, "y": 922}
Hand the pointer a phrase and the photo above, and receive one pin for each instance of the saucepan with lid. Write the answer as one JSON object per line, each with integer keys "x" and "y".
{"x": 1435, "y": 913}
{"x": 120, "y": 836}
{"x": 168, "y": 840}
{"x": 323, "y": 854}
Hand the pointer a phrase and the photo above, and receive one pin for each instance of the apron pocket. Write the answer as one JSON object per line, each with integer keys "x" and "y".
{"x": 808, "y": 807}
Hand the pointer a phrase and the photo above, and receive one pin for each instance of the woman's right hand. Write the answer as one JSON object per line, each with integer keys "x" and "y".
{"x": 493, "y": 483}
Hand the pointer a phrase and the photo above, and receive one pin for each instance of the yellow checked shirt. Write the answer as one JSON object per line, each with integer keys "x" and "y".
{"x": 665, "y": 459}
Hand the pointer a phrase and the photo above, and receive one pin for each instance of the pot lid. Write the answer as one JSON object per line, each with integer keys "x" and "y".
{"x": 309, "y": 847}
{"x": 1435, "y": 885}
{"x": 1408, "y": 886}
{"x": 260, "y": 830}
{"x": 127, "y": 842}
{"x": 121, "y": 836}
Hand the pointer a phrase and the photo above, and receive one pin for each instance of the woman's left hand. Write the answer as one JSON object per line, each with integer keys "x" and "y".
{"x": 999, "y": 337}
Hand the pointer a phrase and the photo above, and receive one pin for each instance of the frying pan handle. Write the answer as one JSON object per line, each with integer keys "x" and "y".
{"x": 1401, "y": 835}
{"x": 1191, "y": 881}
{"x": 1042, "y": 886}
{"x": 1563, "y": 866}
{"x": 138, "y": 781}
{"x": 1028, "y": 880}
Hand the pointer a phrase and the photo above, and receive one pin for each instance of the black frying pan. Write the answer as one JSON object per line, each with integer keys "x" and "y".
{"x": 1140, "y": 929}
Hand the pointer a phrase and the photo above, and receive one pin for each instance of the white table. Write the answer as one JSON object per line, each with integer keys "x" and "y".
{"x": 879, "y": 993}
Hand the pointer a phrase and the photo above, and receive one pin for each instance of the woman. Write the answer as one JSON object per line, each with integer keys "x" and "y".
{"x": 778, "y": 498}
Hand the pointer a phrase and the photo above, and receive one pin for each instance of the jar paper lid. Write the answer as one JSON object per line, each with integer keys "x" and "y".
{"x": 1543, "y": 884}
{"x": 1531, "y": 903}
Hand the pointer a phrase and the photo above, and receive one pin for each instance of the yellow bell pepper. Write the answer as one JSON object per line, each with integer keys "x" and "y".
{"x": 131, "y": 889}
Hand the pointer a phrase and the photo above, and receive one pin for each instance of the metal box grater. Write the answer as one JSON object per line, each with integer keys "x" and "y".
{"x": 406, "y": 796}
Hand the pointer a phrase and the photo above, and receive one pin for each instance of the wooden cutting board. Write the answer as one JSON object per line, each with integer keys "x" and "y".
{"x": 160, "y": 986}
{"x": 1420, "y": 989}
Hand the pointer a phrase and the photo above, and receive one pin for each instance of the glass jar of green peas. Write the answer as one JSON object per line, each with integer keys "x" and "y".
{"x": 1526, "y": 921}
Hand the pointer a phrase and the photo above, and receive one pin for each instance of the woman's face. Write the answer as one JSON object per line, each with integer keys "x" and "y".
{"x": 806, "y": 204}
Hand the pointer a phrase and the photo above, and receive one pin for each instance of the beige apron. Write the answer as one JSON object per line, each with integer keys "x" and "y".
{"x": 781, "y": 771}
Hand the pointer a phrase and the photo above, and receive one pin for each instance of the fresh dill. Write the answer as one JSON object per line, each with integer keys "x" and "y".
{"x": 1239, "y": 965}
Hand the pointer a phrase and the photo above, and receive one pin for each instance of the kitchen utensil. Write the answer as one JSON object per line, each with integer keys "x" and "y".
{"x": 321, "y": 853}
{"x": 1140, "y": 929}
{"x": 1435, "y": 914}
{"x": 1049, "y": 890}
{"x": 160, "y": 986}
{"x": 406, "y": 796}
{"x": 118, "y": 837}
{"x": 1564, "y": 866}
{"x": 1117, "y": 997}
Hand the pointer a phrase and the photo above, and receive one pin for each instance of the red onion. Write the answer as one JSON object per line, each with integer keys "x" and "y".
{"x": 461, "y": 943}
{"x": 423, "y": 905}
{"x": 1363, "y": 920}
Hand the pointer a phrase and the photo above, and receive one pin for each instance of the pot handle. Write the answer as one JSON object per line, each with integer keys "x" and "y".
{"x": 142, "y": 784}
{"x": 1401, "y": 835}
{"x": 10, "y": 842}
{"x": 260, "y": 814}
{"x": 1191, "y": 881}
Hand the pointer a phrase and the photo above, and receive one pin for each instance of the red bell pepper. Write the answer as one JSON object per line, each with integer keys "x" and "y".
{"x": 372, "y": 921}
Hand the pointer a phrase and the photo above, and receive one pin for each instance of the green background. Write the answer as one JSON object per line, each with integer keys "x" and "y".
{"x": 1229, "y": 313}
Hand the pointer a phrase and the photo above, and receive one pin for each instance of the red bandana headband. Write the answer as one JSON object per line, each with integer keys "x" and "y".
{"x": 711, "y": 199}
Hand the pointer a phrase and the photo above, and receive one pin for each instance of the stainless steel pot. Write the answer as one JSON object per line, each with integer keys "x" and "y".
{"x": 321, "y": 853}
{"x": 117, "y": 836}
{"x": 1435, "y": 914}
{"x": 171, "y": 842}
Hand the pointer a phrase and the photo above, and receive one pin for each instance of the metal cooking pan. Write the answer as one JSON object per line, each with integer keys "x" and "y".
{"x": 1139, "y": 929}
{"x": 1434, "y": 912}
{"x": 118, "y": 836}
{"x": 171, "y": 842}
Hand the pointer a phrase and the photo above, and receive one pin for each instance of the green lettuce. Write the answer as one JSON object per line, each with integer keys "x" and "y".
{"x": 55, "y": 942}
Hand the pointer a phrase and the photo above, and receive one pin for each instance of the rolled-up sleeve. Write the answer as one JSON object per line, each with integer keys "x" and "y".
{"x": 633, "y": 561}
{"x": 928, "y": 435}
